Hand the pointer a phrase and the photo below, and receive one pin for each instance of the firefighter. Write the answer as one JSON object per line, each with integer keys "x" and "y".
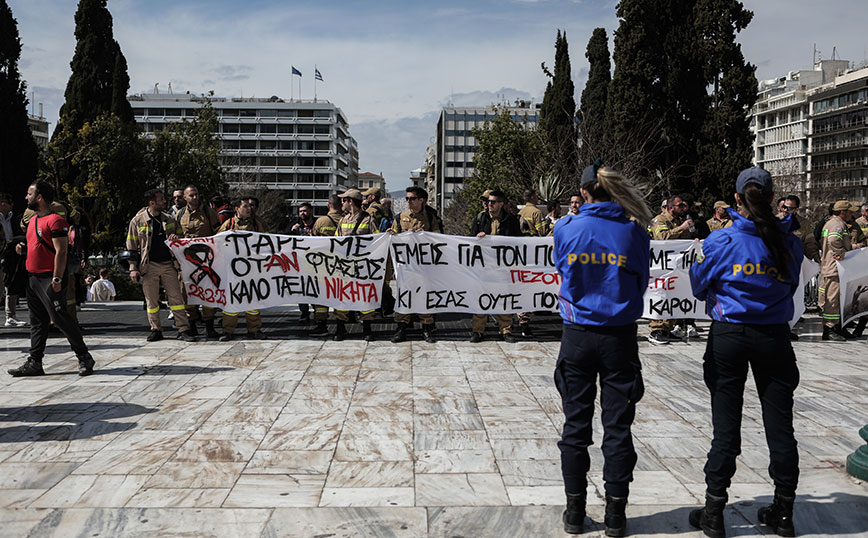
{"x": 669, "y": 224}
{"x": 155, "y": 266}
{"x": 720, "y": 219}
{"x": 420, "y": 217}
{"x": 836, "y": 243}
{"x": 325, "y": 226}
{"x": 533, "y": 224}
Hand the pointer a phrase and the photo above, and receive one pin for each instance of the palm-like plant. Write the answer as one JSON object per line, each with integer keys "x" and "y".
{"x": 549, "y": 187}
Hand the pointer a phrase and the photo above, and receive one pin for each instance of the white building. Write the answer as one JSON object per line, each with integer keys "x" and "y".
{"x": 370, "y": 179}
{"x": 455, "y": 146}
{"x": 39, "y": 128}
{"x": 303, "y": 148}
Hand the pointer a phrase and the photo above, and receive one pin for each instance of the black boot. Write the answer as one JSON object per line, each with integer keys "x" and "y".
{"x": 843, "y": 332}
{"x": 193, "y": 331}
{"x": 340, "y": 331}
{"x": 321, "y": 329}
{"x": 30, "y": 368}
{"x": 574, "y": 515}
{"x": 860, "y": 326}
{"x": 209, "y": 329}
{"x": 85, "y": 365}
{"x": 779, "y": 515}
{"x": 616, "y": 518}
{"x": 830, "y": 333}
{"x": 400, "y": 333}
{"x": 710, "y": 518}
{"x": 428, "y": 333}
{"x": 366, "y": 331}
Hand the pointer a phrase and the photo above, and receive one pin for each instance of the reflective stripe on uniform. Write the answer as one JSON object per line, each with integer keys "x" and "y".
{"x": 230, "y": 314}
{"x": 153, "y": 310}
{"x": 178, "y": 307}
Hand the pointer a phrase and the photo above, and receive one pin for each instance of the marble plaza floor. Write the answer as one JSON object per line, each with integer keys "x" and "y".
{"x": 303, "y": 437}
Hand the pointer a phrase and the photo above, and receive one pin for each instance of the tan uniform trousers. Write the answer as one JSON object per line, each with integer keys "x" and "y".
{"x": 230, "y": 321}
{"x": 320, "y": 312}
{"x": 165, "y": 274}
{"x": 426, "y": 319}
{"x": 829, "y": 300}
{"x": 344, "y": 315}
{"x": 525, "y": 317}
{"x": 504, "y": 322}
{"x": 661, "y": 324}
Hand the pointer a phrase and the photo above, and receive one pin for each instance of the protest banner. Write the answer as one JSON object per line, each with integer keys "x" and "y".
{"x": 853, "y": 276}
{"x": 669, "y": 295}
{"x": 493, "y": 275}
{"x": 238, "y": 271}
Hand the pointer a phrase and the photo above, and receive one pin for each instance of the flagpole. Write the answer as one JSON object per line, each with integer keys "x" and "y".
{"x": 315, "y": 71}
{"x": 291, "y": 87}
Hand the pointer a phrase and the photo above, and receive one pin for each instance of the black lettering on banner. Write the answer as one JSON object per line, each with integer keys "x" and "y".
{"x": 545, "y": 300}
{"x": 239, "y": 240}
{"x": 445, "y": 299}
{"x": 470, "y": 255}
{"x": 688, "y": 257}
{"x": 305, "y": 285}
{"x": 201, "y": 256}
{"x": 420, "y": 253}
{"x": 672, "y": 306}
{"x": 509, "y": 255}
{"x": 544, "y": 255}
{"x": 250, "y": 290}
{"x": 405, "y": 299}
{"x": 351, "y": 245}
{"x": 662, "y": 259}
{"x": 338, "y": 265}
{"x": 505, "y": 301}
{"x": 240, "y": 267}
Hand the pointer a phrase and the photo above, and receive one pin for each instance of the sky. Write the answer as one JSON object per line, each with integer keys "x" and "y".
{"x": 389, "y": 65}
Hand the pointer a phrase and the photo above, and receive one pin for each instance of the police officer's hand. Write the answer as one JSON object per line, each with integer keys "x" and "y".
{"x": 134, "y": 276}
{"x": 480, "y": 235}
{"x": 19, "y": 248}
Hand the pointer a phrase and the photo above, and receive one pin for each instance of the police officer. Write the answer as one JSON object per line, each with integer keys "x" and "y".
{"x": 603, "y": 259}
{"x": 747, "y": 275}
{"x": 155, "y": 265}
{"x": 326, "y": 226}
{"x": 197, "y": 219}
{"x": 669, "y": 224}
{"x": 495, "y": 221}
{"x": 720, "y": 219}
{"x": 355, "y": 222}
{"x": 243, "y": 221}
{"x": 420, "y": 217}
{"x": 836, "y": 243}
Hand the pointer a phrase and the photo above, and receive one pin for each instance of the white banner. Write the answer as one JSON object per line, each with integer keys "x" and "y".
{"x": 669, "y": 295}
{"x": 853, "y": 276}
{"x": 493, "y": 275}
{"x": 239, "y": 271}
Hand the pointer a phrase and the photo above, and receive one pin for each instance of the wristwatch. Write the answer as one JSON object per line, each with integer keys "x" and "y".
{"x": 55, "y": 280}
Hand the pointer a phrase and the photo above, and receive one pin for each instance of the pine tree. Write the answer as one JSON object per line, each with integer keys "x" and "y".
{"x": 726, "y": 145}
{"x": 557, "y": 115}
{"x": 120, "y": 86}
{"x": 592, "y": 113}
{"x": 18, "y": 151}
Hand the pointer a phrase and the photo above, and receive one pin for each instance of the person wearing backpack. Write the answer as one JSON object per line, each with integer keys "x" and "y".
{"x": 103, "y": 290}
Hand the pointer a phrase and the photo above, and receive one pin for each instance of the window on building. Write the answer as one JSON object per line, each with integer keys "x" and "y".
{"x": 247, "y": 128}
{"x": 229, "y": 112}
{"x": 285, "y": 161}
{"x": 247, "y": 144}
{"x": 247, "y": 113}
{"x": 285, "y": 129}
{"x": 230, "y": 128}
{"x": 268, "y": 144}
{"x": 268, "y": 128}
{"x": 286, "y": 113}
{"x": 173, "y": 112}
{"x": 322, "y": 146}
{"x": 322, "y": 113}
{"x": 268, "y": 161}
{"x": 321, "y": 129}
{"x": 285, "y": 144}
{"x": 267, "y": 113}
{"x": 305, "y": 113}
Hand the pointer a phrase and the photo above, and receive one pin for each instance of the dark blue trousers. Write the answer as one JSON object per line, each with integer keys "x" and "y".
{"x": 767, "y": 350}
{"x": 612, "y": 354}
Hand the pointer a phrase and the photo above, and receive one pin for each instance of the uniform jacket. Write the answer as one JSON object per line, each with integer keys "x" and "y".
{"x": 534, "y": 219}
{"x": 736, "y": 275}
{"x": 863, "y": 224}
{"x": 836, "y": 240}
{"x": 376, "y": 211}
{"x": 244, "y": 225}
{"x": 857, "y": 236}
{"x": 603, "y": 259}
{"x": 664, "y": 225}
{"x": 203, "y": 222}
{"x": 508, "y": 224}
{"x": 327, "y": 225}
{"x": 716, "y": 224}
{"x": 139, "y": 236}
{"x": 426, "y": 221}
{"x": 809, "y": 243}
{"x": 360, "y": 224}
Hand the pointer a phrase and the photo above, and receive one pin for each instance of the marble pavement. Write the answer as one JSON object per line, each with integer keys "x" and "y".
{"x": 305, "y": 437}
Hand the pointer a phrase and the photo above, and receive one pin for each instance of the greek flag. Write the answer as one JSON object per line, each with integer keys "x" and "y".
{"x": 295, "y": 71}
{"x": 317, "y": 75}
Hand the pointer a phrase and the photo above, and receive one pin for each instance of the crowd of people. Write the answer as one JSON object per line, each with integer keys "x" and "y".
{"x": 599, "y": 304}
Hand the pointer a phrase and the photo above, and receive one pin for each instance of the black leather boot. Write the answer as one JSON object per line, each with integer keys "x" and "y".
{"x": 616, "y": 517}
{"x": 193, "y": 331}
{"x": 574, "y": 515}
{"x": 860, "y": 326}
{"x": 400, "y": 333}
{"x": 321, "y": 329}
{"x": 209, "y": 329}
{"x": 428, "y": 333}
{"x": 340, "y": 331}
{"x": 779, "y": 515}
{"x": 710, "y": 518}
{"x": 366, "y": 331}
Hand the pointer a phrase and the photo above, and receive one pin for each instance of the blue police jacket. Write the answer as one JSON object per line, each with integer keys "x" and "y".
{"x": 603, "y": 259}
{"x": 736, "y": 275}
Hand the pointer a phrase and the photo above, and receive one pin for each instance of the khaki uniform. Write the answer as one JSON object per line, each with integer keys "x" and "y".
{"x": 857, "y": 236}
{"x": 377, "y": 212}
{"x": 809, "y": 243}
{"x": 663, "y": 227}
{"x": 325, "y": 226}
{"x": 360, "y": 224}
{"x": 535, "y": 220}
{"x": 863, "y": 224}
{"x": 154, "y": 274}
{"x": 203, "y": 222}
{"x": 836, "y": 241}
{"x": 716, "y": 224}
{"x": 230, "y": 319}
{"x": 426, "y": 221}
{"x": 73, "y": 217}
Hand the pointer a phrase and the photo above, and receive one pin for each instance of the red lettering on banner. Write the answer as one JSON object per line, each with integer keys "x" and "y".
{"x": 184, "y": 242}
{"x": 351, "y": 292}
{"x": 531, "y": 277}
{"x": 207, "y": 294}
{"x": 667, "y": 283}
{"x": 283, "y": 261}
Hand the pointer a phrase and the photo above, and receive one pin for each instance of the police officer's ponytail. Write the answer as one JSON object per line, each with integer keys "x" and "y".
{"x": 759, "y": 209}
{"x": 611, "y": 185}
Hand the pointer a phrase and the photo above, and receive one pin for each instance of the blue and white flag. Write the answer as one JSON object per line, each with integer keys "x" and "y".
{"x": 317, "y": 75}
{"x": 295, "y": 71}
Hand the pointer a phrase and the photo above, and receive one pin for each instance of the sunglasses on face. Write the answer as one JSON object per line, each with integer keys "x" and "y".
{"x": 787, "y": 208}
{"x": 495, "y": 201}
{"x": 411, "y": 198}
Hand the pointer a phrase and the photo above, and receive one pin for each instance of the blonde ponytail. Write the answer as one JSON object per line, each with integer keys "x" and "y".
{"x": 619, "y": 190}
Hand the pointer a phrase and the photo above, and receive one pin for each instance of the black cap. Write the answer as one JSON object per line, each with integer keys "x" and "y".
{"x": 757, "y": 176}
{"x": 589, "y": 174}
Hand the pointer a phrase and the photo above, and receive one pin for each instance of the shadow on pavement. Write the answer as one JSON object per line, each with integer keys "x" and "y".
{"x": 71, "y": 421}
{"x": 823, "y": 515}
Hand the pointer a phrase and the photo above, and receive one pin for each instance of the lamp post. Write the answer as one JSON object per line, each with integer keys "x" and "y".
{"x": 857, "y": 462}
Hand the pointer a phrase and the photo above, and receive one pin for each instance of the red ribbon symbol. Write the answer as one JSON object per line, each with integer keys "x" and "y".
{"x": 202, "y": 256}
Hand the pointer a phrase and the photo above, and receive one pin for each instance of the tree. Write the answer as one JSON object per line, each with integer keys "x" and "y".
{"x": 18, "y": 151}
{"x": 188, "y": 153}
{"x": 726, "y": 145}
{"x": 558, "y": 112}
{"x": 592, "y": 113}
